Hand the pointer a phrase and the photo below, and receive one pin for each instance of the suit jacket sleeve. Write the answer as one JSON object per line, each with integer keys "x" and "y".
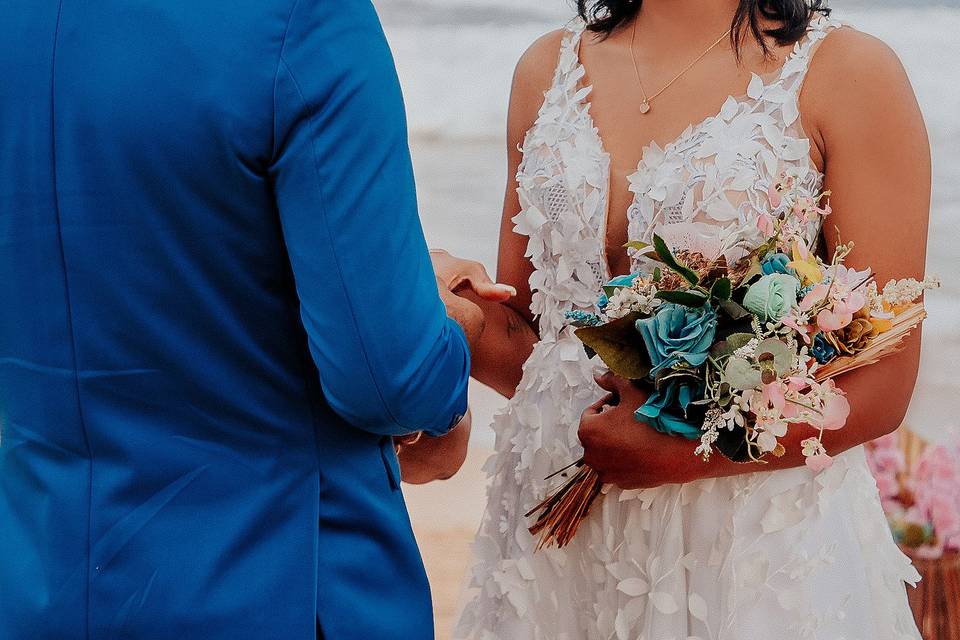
{"x": 390, "y": 360}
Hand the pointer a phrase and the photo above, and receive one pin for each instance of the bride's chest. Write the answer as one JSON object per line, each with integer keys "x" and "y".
{"x": 711, "y": 181}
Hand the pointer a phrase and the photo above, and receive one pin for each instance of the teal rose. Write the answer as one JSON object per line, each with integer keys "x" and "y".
{"x": 772, "y": 296}
{"x": 777, "y": 263}
{"x": 670, "y": 409}
{"x": 678, "y": 335}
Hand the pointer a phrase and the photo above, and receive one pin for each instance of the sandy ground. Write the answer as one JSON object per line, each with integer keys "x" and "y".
{"x": 446, "y": 514}
{"x": 445, "y": 518}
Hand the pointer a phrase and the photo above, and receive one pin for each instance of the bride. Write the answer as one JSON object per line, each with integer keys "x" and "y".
{"x": 603, "y": 150}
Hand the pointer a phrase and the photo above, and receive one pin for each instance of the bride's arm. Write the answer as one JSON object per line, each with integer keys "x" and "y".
{"x": 510, "y": 330}
{"x": 862, "y": 115}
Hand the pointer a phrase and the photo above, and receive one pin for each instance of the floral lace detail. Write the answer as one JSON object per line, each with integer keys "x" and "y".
{"x": 704, "y": 190}
{"x": 760, "y": 555}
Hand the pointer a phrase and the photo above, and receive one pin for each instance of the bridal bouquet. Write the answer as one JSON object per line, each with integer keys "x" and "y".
{"x": 736, "y": 353}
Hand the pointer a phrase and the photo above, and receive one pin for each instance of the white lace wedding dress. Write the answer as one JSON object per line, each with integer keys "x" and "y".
{"x": 756, "y": 557}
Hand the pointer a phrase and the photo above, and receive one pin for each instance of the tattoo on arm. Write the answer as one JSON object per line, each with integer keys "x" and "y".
{"x": 514, "y": 323}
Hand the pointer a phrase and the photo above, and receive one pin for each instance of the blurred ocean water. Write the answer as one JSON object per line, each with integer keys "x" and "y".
{"x": 456, "y": 59}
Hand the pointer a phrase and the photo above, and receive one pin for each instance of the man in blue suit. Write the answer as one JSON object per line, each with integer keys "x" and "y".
{"x": 217, "y": 312}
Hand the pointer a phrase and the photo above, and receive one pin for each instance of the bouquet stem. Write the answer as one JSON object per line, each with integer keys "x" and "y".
{"x": 560, "y": 515}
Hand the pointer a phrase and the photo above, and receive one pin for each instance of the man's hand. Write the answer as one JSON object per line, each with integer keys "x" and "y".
{"x": 455, "y": 276}
{"x": 625, "y": 452}
{"x": 428, "y": 459}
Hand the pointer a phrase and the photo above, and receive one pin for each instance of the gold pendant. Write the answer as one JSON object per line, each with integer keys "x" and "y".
{"x": 644, "y": 107}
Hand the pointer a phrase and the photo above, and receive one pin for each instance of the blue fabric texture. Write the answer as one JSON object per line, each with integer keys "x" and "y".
{"x": 218, "y": 308}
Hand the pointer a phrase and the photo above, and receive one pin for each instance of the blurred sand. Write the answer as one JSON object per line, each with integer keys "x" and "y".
{"x": 446, "y": 515}
{"x": 445, "y": 518}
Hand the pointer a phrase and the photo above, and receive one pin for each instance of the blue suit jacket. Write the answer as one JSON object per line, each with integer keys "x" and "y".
{"x": 216, "y": 308}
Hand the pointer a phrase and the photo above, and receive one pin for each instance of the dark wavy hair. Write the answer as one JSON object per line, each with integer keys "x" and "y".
{"x": 789, "y": 17}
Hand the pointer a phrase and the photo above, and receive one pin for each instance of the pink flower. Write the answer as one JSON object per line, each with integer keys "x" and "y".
{"x": 765, "y": 224}
{"x": 817, "y": 294}
{"x": 773, "y": 194}
{"x": 773, "y": 394}
{"x": 794, "y": 323}
{"x": 819, "y": 462}
{"x": 836, "y": 410}
{"x": 830, "y": 320}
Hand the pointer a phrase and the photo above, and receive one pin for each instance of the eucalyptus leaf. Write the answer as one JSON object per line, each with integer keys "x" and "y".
{"x": 741, "y": 374}
{"x": 620, "y": 346}
{"x": 636, "y": 245}
{"x": 685, "y": 298}
{"x": 720, "y": 350}
{"x": 782, "y": 354}
{"x": 667, "y": 257}
{"x": 739, "y": 340}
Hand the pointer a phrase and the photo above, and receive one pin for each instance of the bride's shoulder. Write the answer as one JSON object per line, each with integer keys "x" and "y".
{"x": 534, "y": 77}
{"x": 846, "y": 50}
{"x": 539, "y": 62}
{"x": 856, "y": 76}
{"x": 852, "y": 63}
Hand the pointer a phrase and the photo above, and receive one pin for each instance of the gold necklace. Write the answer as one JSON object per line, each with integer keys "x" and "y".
{"x": 645, "y": 105}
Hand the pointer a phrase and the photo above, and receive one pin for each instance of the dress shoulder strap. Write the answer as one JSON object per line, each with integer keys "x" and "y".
{"x": 568, "y": 73}
{"x": 795, "y": 68}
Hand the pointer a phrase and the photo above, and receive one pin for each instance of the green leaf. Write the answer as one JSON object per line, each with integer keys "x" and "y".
{"x": 636, "y": 245}
{"x": 686, "y": 298}
{"x": 733, "y": 444}
{"x": 620, "y": 346}
{"x": 735, "y": 311}
{"x": 657, "y": 274}
{"x": 756, "y": 269}
{"x": 726, "y": 347}
{"x": 722, "y": 289}
{"x": 667, "y": 257}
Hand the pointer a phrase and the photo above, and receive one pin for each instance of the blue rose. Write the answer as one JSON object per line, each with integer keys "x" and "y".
{"x": 822, "y": 350}
{"x": 668, "y": 409}
{"x": 678, "y": 334}
{"x": 623, "y": 281}
{"x": 777, "y": 263}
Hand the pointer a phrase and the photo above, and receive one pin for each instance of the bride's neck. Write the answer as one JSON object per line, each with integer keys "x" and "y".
{"x": 693, "y": 18}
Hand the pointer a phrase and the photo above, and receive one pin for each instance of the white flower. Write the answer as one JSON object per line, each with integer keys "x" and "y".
{"x": 748, "y": 350}
{"x": 812, "y": 447}
{"x": 899, "y": 292}
{"x": 639, "y": 297}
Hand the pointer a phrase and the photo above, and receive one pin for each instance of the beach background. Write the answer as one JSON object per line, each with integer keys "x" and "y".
{"x": 456, "y": 58}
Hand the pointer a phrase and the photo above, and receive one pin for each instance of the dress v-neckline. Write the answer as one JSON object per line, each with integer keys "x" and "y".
{"x": 688, "y": 132}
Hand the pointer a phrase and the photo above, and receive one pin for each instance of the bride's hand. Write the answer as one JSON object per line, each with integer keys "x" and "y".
{"x": 626, "y": 453}
{"x": 457, "y": 275}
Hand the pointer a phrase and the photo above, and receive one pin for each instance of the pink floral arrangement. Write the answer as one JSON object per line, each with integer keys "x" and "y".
{"x": 922, "y": 499}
